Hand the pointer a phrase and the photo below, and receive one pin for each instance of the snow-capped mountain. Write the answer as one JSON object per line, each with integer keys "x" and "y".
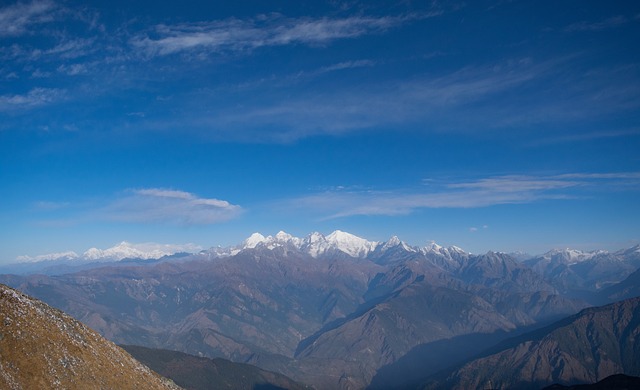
{"x": 574, "y": 269}
{"x": 63, "y": 256}
{"x": 123, "y": 250}
{"x": 395, "y": 242}
{"x": 145, "y": 251}
{"x": 317, "y": 245}
{"x": 451, "y": 251}
{"x": 571, "y": 256}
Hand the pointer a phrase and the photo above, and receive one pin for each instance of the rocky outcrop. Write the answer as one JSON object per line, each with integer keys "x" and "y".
{"x": 42, "y": 348}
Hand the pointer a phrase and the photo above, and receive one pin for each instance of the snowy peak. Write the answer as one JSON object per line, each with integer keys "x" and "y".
{"x": 123, "y": 250}
{"x": 315, "y": 244}
{"x": 284, "y": 237}
{"x": 432, "y": 247}
{"x": 63, "y": 256}
{"x": 253, "y": 240}
{"x": 352, "y": 245}
{"x": 315, "y": 237}
{"x": 395, "y": 242}
{"x": 257, "y": 240}
{"x": 570, "y": 256}
{"x": 452, "y": 252}
{"x": 633, "y": 251}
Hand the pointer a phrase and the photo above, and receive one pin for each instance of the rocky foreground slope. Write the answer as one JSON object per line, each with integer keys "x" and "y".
{"x": 43, "y": 348}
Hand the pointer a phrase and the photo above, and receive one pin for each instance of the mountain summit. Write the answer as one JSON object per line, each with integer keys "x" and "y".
{"x": 316, "y": 245}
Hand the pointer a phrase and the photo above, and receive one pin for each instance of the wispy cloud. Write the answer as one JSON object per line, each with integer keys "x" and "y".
{"x": 588, "y": 136}
{"x": 45, "y": 205}
{"x": 16, "y": 19}
{"x": 433, "y": 100}
{"x": 73, "y": 69}
{"x": 516, "y": 184}
{"x": 34, "y": 98}
{"x": 611, "y": 22}
{"x": 68, "y": 49}
{"x": 346, "y": 65}
{"x": 485, "y": 192}
{"x": 155, "y": 205}
{"x": 266, "y": 30}
{"x": 496, "y": 96}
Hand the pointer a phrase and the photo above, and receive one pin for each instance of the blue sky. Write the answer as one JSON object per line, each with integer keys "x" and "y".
{"x": 490, "y": 125}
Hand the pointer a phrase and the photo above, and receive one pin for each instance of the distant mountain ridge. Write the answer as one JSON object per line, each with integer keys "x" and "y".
{"x": 585, "y": 348}
{"x": 334, "y": 311}
{"x": 275, "y": 305}
{"x": 576, "y": 270}
{"x": 316, "y": 245}
{"x": 551, "y": 264}
{"x": 123, "y": 250}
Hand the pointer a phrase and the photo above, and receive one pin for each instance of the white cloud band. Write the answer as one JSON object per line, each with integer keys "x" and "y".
{"x": 271, "y": 30}
{"x": 513, "y": 189}
{"x": 155, "y": 205}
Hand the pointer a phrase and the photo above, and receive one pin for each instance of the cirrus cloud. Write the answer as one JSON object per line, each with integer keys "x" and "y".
{"x": 16, "y": 19}
{"x": 482, "y": 192}
{"x": 34, "y": 98}
{"x": 156, "y": 205}
{"x": 267, "y": 30}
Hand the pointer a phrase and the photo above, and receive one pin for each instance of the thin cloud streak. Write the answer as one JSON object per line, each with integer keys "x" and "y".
{"x": 456, "y": 102}
{"x": 34, "y": 98}
{"x": 16, "y": 19}
{"x": 587, "y": 137}
{"x": 512, "y": 189}
{"x": 273, "y": 30}
{"x": 169, "y": 206}
{"x": 346, "y": 65}
{"x": 430, "y": 99}
{"x": 611, "y": 22}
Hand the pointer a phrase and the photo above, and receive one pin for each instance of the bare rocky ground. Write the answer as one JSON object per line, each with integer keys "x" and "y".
{"x": 43, "y": 348}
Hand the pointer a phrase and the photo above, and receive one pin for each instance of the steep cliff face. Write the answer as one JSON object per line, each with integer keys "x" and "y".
{"x": 42, "y": 348}
{"x": 585, "y": 348}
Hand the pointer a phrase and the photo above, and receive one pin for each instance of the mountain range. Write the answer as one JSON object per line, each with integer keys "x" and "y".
{"x": 335, "y": 311}
{"x": 585, "y": 348}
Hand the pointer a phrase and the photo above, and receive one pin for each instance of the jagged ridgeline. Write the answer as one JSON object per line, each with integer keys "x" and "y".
{"x": 43, "y": 348}
{"x": 336, "y": 311}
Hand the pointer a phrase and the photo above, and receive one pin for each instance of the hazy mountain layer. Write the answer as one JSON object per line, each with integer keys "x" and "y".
{"x": 330, "y": 311}
{"x": 199, "y": 373}
{"x": 585, "y": 348}
{"x": 578, "y": 272}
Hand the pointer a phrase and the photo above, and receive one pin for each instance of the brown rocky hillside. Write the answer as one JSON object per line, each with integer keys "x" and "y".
{"x": 43, "y": 348}
{"x": 584, "y": 348}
